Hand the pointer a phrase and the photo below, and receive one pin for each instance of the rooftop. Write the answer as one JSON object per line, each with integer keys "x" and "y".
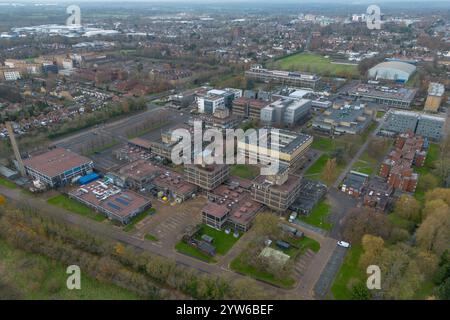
{"x": 110, "y": 198}
{"x": 56, "y": 162}
{"x": 400, "y": 93}
{"x": 138, "y": 169}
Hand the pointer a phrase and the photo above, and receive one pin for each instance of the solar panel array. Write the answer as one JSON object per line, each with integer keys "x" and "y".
{"x": 114, "y": 206}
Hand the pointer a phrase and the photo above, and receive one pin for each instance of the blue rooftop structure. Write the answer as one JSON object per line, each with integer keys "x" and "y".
{"x": 88, "y": 178}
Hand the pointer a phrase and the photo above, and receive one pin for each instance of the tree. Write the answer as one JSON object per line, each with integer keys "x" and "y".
{"x": 433, "y": 206}
{"x": 428, "y": 182}
{"x": 266, "y": 224}
{"x": 408, "y": 208}
{"x": 377, "y": 147}
{"x": 439, "y": 193}
{"x": 330, "y": 171}
{"x": 359, "y": 291}
{"x": 434, "y": 232}
{"x": 443, "y": 291}
{"x": 361, "y": 221}
{"x": 372, "y": 247}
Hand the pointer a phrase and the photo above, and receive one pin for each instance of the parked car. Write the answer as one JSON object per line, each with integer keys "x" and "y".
{"x": 292, "y": 217}
{"x": 343, "y": 244}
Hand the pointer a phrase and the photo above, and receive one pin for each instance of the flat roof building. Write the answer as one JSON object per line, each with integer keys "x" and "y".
{"x": 435, "y": 94}
{"x": 286, "y": 111}
{"x": 117, "y": 204}
{"x": 215, "y": 98}
{"x": 233, "y": 205}
{"x": 292, "y": 147}
{"x": 174, "y": 185}
{"x": 278, "y": 192}
{"x": 346, "y": 119}
{"x": 207, "y": 177}
{"x": 249, "y": 108}
{"x": 135, "y": 175}
{"x": 57, "y": 167}
{"x": 428, "y": 126}
{"x": 257, "y": 72}
{"x": 393, "y": 97}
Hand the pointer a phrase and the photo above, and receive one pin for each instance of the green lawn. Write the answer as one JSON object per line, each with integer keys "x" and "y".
{"x": 40, "y": 278}
{"x": 349, "y": 270}
{"x": 184, "y": 248}
{"x": 239, "y": 266}
{"x": 222, "y": 241}
{"x": 318, "y": 216}
{"x": 151, "y": 237}
{"x": 141, "y": 216}
{"x": 363, "y": 167}
{"x": 74, "y": 206}
{"x": 368, "y": 164}
{"x": 307, "y": 243}
{"x": 244, "y": 171}
{"x": 432, "y": 156}
{"x": 323, "y": 144}
{"x": 314, "y": 63}
{"x": 318, "y": 166}
{"x": 301, "y": 245}
{"x": 7, "y": 183}
{"x": 380, "y": 114}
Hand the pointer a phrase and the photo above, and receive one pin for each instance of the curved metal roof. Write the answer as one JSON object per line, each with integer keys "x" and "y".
{"x": 397, "y": 65}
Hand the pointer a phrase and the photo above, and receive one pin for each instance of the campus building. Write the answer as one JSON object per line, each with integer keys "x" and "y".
{"x": 257, "y": 72}
{"x": 207, "y": 177}
{"x": 286, "y": 111}
{"x": 110, "y": 200}
{"x": 435, "y": 95}
{"x": 57, "y": 167}
{"x": 393, "y": 71}
{"x": 393, "y": 97}
{"x": 231, "y": 205}
{"x": 215, "y": 98}
{"x": 292, "y": 147}
{"x": 278, "y": 192}
{"x": 347, "y": 119}
{"x": 428, "y": 126}
{"x": 221, "y": 119}
{"x": 135, "y": 175}
{"x": 249, "y": 108}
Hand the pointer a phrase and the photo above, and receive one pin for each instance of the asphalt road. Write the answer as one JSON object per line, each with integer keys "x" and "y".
{"x": 305, "y": 291}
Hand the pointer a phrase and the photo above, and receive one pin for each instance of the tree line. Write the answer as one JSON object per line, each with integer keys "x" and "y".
{"x": 144, "y": 273}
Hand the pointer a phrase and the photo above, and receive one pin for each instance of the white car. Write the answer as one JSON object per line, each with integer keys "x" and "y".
{"x": 343, "y": 244}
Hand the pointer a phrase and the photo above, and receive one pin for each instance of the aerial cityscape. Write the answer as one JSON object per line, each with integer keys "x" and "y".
{"x": 224, "y": 150}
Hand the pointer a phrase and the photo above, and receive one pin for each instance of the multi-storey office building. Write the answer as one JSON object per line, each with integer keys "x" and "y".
{"x": 207, "y": 177}
{"x": 428, "y": 126}
{"x": 286, "y": 111}
{"x": 278, "y": 192}
{"x": 292, "y": 147}
{"x": 249, "y": 108}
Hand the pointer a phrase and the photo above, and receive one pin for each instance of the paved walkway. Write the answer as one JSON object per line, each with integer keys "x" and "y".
{"x": 358, "y": 155}
{"x": 305, "y": 290}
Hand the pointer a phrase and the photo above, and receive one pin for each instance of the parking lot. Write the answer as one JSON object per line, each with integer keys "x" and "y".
{"x": 170, "y": 220}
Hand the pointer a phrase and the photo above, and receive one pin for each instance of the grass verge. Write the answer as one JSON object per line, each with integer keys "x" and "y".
{"x": 74, "y": 206}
